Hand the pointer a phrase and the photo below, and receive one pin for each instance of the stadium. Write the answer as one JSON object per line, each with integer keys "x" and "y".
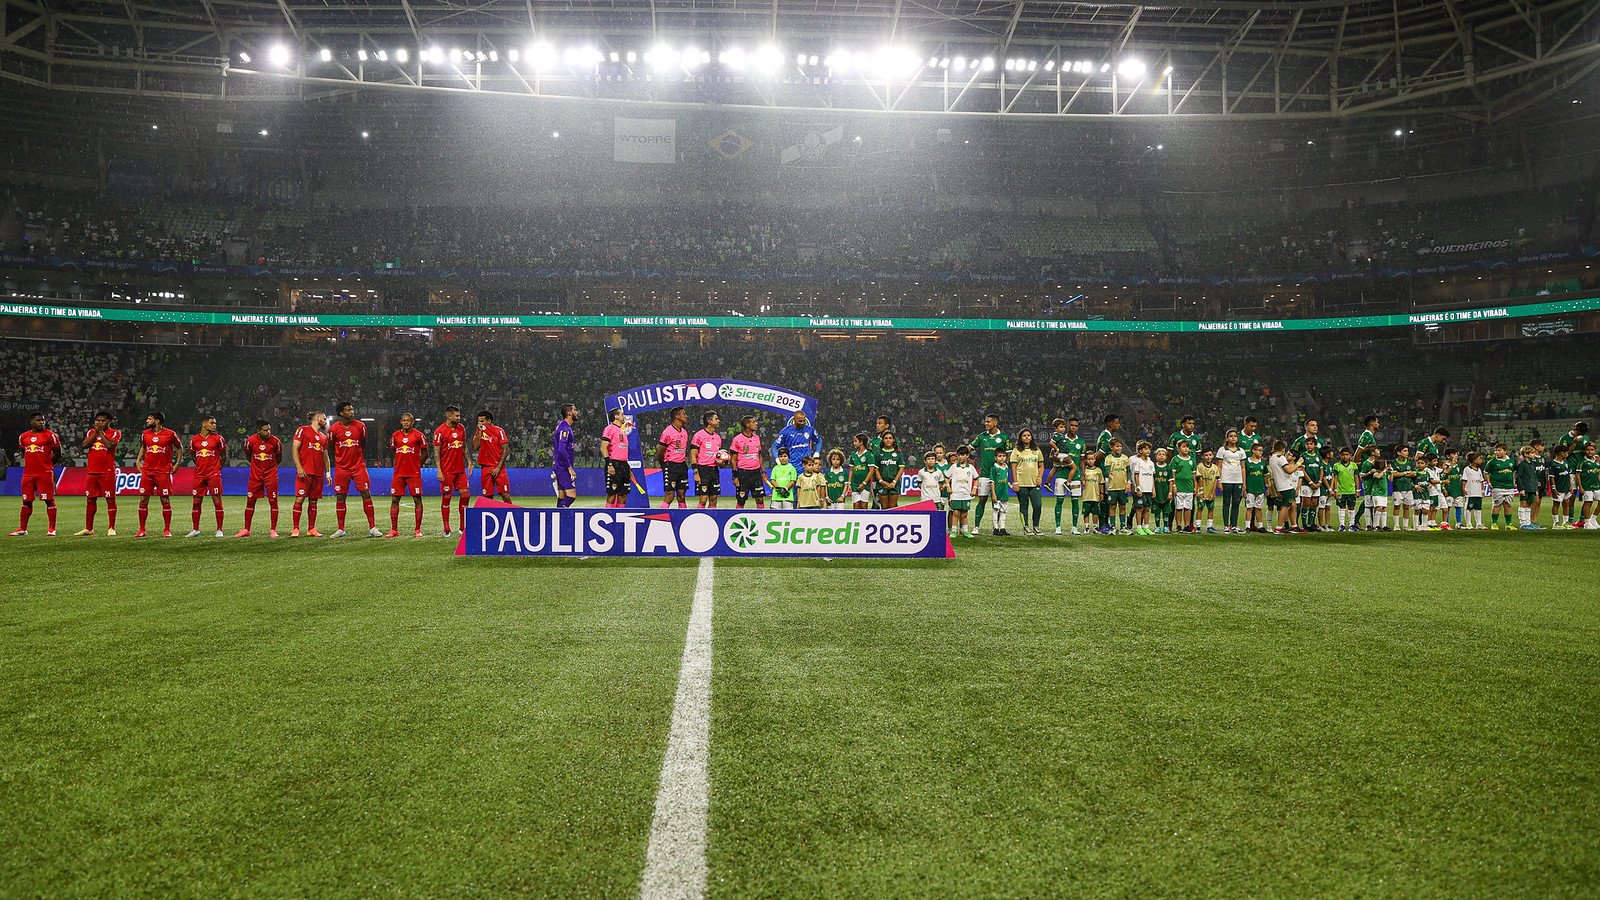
{"x": 969, "y": 448}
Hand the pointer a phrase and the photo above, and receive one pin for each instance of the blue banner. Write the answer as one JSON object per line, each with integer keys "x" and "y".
{"x": 496, "y": 529}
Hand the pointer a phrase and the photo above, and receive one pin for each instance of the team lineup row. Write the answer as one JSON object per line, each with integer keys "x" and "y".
{"x": 1155, "y": 489}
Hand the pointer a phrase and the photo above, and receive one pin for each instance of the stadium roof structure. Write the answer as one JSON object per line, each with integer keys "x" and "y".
{"x": 1477, "y": 60}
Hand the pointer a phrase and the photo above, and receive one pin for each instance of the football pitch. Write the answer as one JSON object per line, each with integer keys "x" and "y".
{"x": 1389, "y": 715}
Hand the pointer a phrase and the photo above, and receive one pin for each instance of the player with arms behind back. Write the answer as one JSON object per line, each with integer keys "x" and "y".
{"x": 101, "y": 442}
{"x": 409, "y": 446}
{"x": 703, "y": 450}
{"x": 266, "y": 452}
{"x": 454, "y": 469}
{"x": 562, "y": 448}
{"x": 349, "y": 436}
{"x": 207, "y": 448}
{"x": 310, "y": 450}
{"x": 40, "y": 446}
{"x": 614, "y": 449}
{"x": 672, "y": 455}
{"x": 160, "y": 451}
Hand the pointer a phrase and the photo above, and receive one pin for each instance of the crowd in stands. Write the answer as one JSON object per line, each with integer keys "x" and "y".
{"x": 728, "y": 237}
{"x": 932, "y": 393}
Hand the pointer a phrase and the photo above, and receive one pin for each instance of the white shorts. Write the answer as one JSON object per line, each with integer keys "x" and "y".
{"x": 1591, "y": 496}
{"x": 783, "y": 504}
{"x": 1502, "y": 496}
{"x": 1563, "y": 496}
{"x": 839, "y": 505}
{"x": 984, "y": 487}
{"x": 1458, "y": 502}
{"x": 1182, "y": 501}
{"x": 1377, "y": 501}
{"x": 861, "y": 496}
{"x": 1062, "y": 487}
{"x": 1402, "y": 498}
{"x": 1255, "y": 501}
{"x": 1308, "y": 490}
{"x": 1324, "y": 501}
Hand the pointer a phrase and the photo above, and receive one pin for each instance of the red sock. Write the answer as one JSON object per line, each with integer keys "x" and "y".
{"x": 166, "y": 515}
{"x": 444, "y": 512}
{"x": 338, "y": 508}
{"x": 311, "y": 518}
{"x": 195, "y": 514}
{"x": 50, "y": 513}
{"x": 249, "y": 512}
{"x": 394, "y": 517}
{"x": 683, "y": 504}
{"x": 461, "y": 519}
{"x": 217, "y": 504}
{"x": 274, "y": 515}
{"x": 297, "y": 515}
{"x": 111, "y": 514}
{"x": 144, "y": 513}
{"x": 27, "y": 513}
{"x": 88, "y": 515}
{"x": 419, "y": 515}
{"x": 372, "y": 516}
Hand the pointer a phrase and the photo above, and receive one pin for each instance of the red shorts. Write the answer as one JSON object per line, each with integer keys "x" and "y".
{"x": 454, "y": 481}
{"x": 155, "y": 484}
{"x": 400, "y": 485}
{"x": 210, "y": 485}
{"x": 101, "y": 486}
{"x": 41, "y": 486}
{"x": 502, "y": 484}
{"x": 308, "y": 486}
{"x": 262, "y": 485}
{"x": 345, "y": 479}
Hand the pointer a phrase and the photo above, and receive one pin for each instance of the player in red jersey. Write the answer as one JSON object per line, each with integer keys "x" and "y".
{"x": 454, "y": 468}
{"x": 266, "y": 451}
{"x": 311, "y": 450}
{"x": 207, "y": 449}
{"x": 409, "y": 446}
{"x": 491, "y": 441}
{"x": 101, "y": 442}
{"x": 349, "y": 437}
{"x": 160, "y": 452}
{"x": 40, "y": 447}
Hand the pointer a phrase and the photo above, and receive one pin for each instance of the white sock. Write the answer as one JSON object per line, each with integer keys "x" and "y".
{"x": 1523, "y": 515}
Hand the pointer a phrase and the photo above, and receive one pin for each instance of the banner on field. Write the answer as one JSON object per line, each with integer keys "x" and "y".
{"x": 646, "y": 140}
{"x": 498, "y": 529}
{"x": 692, "y": 392}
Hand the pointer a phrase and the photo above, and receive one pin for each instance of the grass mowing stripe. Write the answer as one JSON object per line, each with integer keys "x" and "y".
{"x": 675, "y": 861}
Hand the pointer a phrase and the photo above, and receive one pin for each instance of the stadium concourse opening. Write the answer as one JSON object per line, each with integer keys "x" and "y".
{"x": 689, "y": 393}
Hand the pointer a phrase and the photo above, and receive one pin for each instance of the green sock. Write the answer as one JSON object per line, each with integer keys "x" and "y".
{"x": 1075, "y": 503}
{"x": 977, "y": 519}
{"x": 1059, "y": 501}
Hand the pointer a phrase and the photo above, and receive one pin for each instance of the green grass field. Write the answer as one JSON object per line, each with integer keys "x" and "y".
{"x": 1387, "y": 715}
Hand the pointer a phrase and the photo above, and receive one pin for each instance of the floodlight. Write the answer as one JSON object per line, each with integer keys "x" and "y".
{"x": 494, "y": 55}
{"x": 542, "y": 56}
{"x": 732, "y": 58}
{"x": 988, "y": 64}
{"x": 455, "y": 54}
{"x": 1131, "y": 68}
{"x": 961, "y": 62}
{"x": 361, "y": 55}
{"x": 513, "y": 54}
{"x": 279, "y": 55}
{"x": 402, "y": 54}
{"x": 326, "y": 55}
{"x": 768, "y": 59}
{"x": 244, "y": 57}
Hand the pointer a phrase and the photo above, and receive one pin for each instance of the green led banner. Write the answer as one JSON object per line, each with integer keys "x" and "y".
{"x": 122, "y": 314}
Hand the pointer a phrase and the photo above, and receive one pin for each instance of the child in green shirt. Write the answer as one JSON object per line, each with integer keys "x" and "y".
{"x": 837, "y": 479}
{"x": 1000, "y": 490}
{"x": 783, "y": 479}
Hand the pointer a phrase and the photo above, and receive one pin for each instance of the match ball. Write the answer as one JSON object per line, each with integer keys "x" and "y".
{"x": 723, "y": 457}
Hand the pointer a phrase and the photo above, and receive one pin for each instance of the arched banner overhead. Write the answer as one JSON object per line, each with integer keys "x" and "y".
{"x": 700, "y": 392}
{"x": 709, "y": 391}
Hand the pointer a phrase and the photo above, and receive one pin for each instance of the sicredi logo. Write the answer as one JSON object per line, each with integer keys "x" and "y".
{"x": 841, "y": 534}
{"x": 769, "y": 396}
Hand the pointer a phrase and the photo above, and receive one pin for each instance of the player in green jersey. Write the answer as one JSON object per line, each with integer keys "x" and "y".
{"x": 836, "y": 479}
{"x": 861, "y": 473}
{"x": 1455, "y": 491}
{"x": 1185, "y": 432}
{"x": 1344, "y": 488}
{"x": 986, "y": 445}
{"x": 1542, "y": 463}
{"x": 1114, "y": 511}
{"x": 1501, "y": 470}
{"x": 1103, "y": 444}
{"x": 1433, "y": 444}
{"x": 1308, "y": 442}
{"x": 1366, "y": 442}
{"x": 1067, "y": 459}
{"x": 1183, "y": 472}
{"x": 1249, "y": 437}
{"x": 1589, "y": 482}
{"x": 1404, "y": 474}
{"x": 1313, "y": 482}
{"x": 1559, "y": 481}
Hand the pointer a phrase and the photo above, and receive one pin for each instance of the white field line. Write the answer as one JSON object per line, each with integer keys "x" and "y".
{"x": 675, "y": 862}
